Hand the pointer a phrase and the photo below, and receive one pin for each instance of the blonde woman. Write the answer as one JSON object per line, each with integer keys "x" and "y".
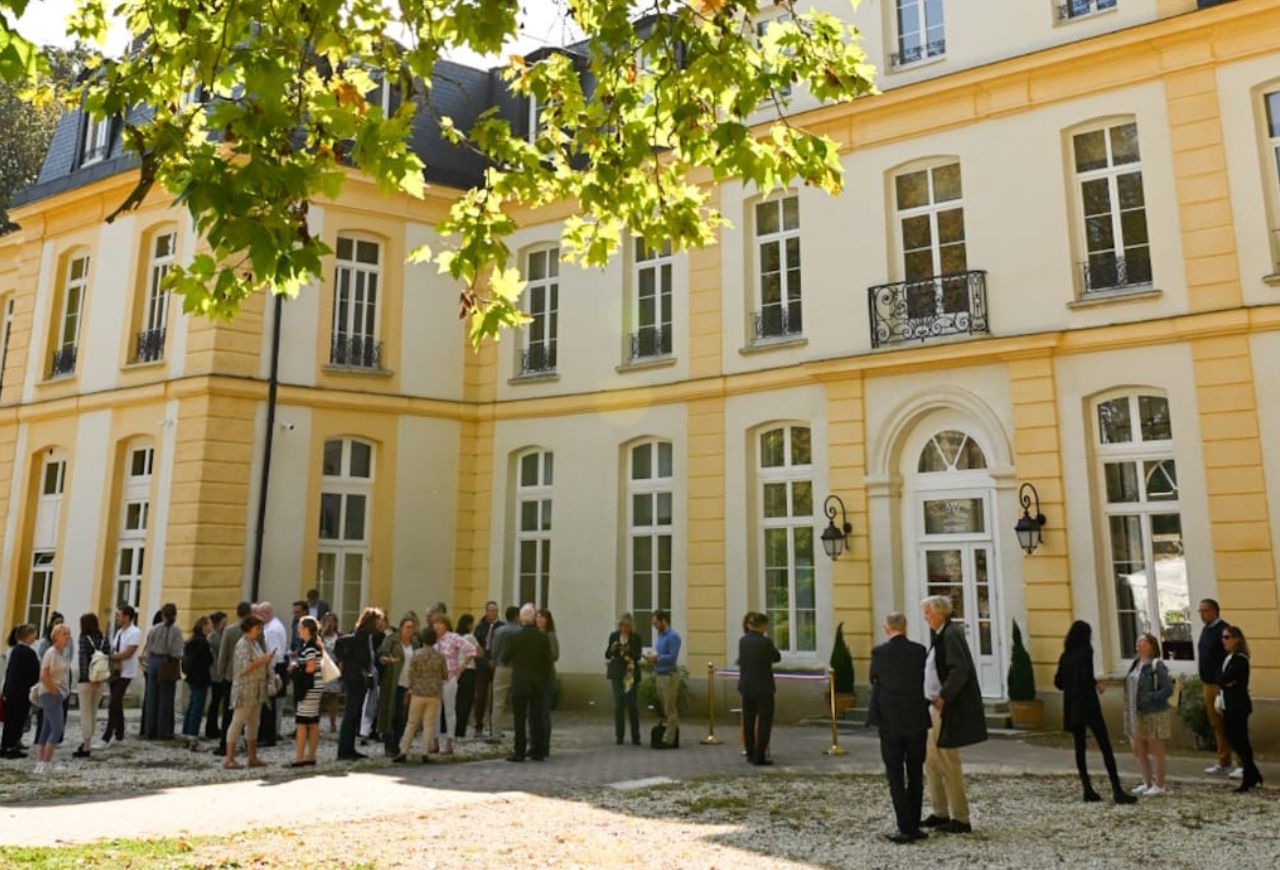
{"x": 1148, "y": 721}
{"x": 55, "y": 688}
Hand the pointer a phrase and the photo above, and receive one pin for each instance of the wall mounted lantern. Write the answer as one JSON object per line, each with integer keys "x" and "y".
{"x": 1028, "y": 527}
{"x": 835, "y": 539}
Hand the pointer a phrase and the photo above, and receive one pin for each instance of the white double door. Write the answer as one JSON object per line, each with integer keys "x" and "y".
{"x": 957, "y": 560}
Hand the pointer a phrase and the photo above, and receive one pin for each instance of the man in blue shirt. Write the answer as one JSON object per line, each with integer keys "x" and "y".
{"x": 664, "y": 657}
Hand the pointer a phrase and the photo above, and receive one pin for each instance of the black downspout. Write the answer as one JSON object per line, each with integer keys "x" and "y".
{"x": 263, "y": 484}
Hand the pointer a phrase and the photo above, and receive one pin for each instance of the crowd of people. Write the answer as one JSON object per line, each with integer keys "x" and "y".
{"x": 927, "y": 705}
{"x": 428, "y": 675}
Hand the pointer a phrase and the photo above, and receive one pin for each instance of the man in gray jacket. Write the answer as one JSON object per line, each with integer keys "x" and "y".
{"x": 501, "y": 672}
{"x": 222, "y": 670}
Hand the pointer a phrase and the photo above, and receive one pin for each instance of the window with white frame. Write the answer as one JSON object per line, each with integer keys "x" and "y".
{"x": 534, "y": 475}
{"x": 1138, "y": 483}
{"x": 68, "y": 335}
{"x": 1271, "y": 106}
{"x": 135, "y": 518}
{"x": 1108, "y": 168}
{"x": 97, "y": 136}
{"x": 785, "y": 474}
{"x": 7, "y": 330}
{"x": 40, "y": 595}
{"x": 357, "y": 282}
{"x": 155, "y": 319}
{"x": 44, "y": 539}
{"x": 762, "y": 28}
{"x": 652, "y": 279}
{"x": 921, "y": 34}
{"x": 777, "y": 230}
{"x": 649, "y": 532}
{"x": 931, "y": 236}
{"x": 1073, "y": 9}
{"x": 542, "y": 304}
{"x": 342, "y": 555}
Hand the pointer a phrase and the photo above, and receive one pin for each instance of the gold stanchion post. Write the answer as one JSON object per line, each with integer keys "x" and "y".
{"x": 711, "y": 739}
{"x": 835, "y": 748}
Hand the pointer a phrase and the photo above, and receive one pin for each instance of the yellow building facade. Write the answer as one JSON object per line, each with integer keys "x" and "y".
{"x": 1055, "y": 262}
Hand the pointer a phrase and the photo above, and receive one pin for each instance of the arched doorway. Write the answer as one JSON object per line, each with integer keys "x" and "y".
{"x": 949, "y": 504}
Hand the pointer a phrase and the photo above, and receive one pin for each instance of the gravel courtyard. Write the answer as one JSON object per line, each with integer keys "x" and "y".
{"x": 596, "y": 805}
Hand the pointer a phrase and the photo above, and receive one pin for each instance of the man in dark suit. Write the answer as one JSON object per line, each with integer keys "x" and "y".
{"x": 528, "y": 653}
{"x": 316, "y": 607}
{"x": 899, "y": 709}
{"x": 756, "y": 655}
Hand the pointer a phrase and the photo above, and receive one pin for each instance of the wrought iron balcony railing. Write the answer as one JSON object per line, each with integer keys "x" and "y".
{"x": 1102, "y": 272}
{"x": 919, "y": 310}
{"x": 1080, "y": 8}
{"x": 651, "y": 341}
{"x": 538, "y": 359}
{"x": 64, "y": 361}
{"x": 917, "y": 53}
{"x": 777, "y": 322}
{"x": 356, "y": 352}
{"x": 149, "y": 345}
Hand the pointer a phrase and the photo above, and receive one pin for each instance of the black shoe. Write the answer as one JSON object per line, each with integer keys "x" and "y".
{"x": 935, "y": 821}
{"x": 537, "y": 758}
{"x": 619, "y": 741}
{"x": 918, "y": 835}
{"x": 1245, "y": 786}
{"x": 1123, "y": 797}
{"x": 635, "y": 741}
{"x": 424, "y": 760}
{"x": 956, "y": 827}
{"x": 902, "y": 838}
{"x": 220, "y": 750}
{"x": 80, "y": 752}
{"x": 516, "y": 758}
{"x": 764, "y": 762}
{"x": 399, "y": 759}
{"x": 352, "y": 756}
{"x": 1092, "y": 797}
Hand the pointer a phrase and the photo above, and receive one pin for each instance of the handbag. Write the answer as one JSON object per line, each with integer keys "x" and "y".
{"x": 170, "y": 670}
{"x": 274, "y": 683}
{"x": 329, "y": 670}
{"x": 99, "y": 667}
{"x": 1220, "y": 702}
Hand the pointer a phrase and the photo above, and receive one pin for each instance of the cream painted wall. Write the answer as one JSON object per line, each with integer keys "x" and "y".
{"x": 425, "y": 510}
{"x": 590, "y": 331}
{"x": 299, "y": 325}
{"x": 79, "y": 568}
{"x": 744, "y": 419}
{"x": 166, "y": 438}
{"x": 17, "y": 486}
{"x": 37, "y": 362}
{"x": 430, "y": 332}
{"x": 1079, "y": 378}
{"x": 1255, "y": 193}
{"x": 107, "y": 305}
{"x": 179, "y": 320}
{"x": 284, "y": 577}
{"x": 1266, "y": 364}
{"x": 588, "y": 528}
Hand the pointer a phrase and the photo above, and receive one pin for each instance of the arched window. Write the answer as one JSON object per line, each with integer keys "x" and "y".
{"x": 67, "y": 338}
{"x": 134, "y": 519}
{"x": 357, "y": 283}
{"x": 342, "y": 557}
{"x": 649, "y": 531}
{"x": 951, "y": 450}
{"x": 1138, "y": 486}
{"x": 162, "y": 249}
{"x": 44, "y": 538}
{"x": 785, "y": 474}
{"x": 535, "y": 473}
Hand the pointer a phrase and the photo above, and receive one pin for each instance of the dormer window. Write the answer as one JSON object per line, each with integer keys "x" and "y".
{"x": 96, "y": 141}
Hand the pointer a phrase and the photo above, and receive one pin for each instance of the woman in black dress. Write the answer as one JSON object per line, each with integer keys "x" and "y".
{"x": 1237, "y": 703}
{"x": 22, "y": 672}
{"x": 623, "y": 656}
{"x": 1082, "y": 711}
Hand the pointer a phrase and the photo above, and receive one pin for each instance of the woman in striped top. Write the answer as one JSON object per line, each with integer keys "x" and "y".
{"x": 307, "y": 692}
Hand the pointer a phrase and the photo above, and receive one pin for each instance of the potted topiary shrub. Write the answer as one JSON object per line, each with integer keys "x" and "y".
{"x": 1025, "y": 709}
{"x": 842, "y": 664}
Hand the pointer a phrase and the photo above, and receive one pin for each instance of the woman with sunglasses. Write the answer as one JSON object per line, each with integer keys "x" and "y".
{"x": 1236, "y": 704}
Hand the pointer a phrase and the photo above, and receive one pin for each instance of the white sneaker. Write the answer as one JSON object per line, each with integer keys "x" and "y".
{"x": 1238, "y": 773}
{"x": 1216, "y": 768}
{"x": 1153, "y": 791}
{"x": 39, "y": 769}
{"x": 1140, "y": 789}
{"x": 98, "y": 745}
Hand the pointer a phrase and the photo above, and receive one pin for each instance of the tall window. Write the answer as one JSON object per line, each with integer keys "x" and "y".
{"x": 649, "y": 531}
{"x": 542, "y": 304}
{"x": 652, "y": 312}
{"x": 1271, "y": 103}
{"x": 533, "y": 527}
{"x": 357, "y": 280}
{"x": 38, "y": 602}
{"x": 6, "y": 329}
{"x": 68, "y": 336}
{"x": 778, "y": 268}
{"x": 342, "y": 557}
{"x": 135, "y": 517}
{"x": 150, "y": 343}
{"x": 1139, "y": 487}
{"x": 920, "y": 31}
{"x": 1109, "y": 173}
{"x": 762, "y": 27}
{"x": 930, "y": 224}
{"x": 786, "y": 502}
{"x": 97, "y": 133}
{"x": 44, "y": 541}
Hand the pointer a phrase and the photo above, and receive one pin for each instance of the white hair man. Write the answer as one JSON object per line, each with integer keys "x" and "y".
{"x": 900, "y": 712}
{"x": 958, "y": 717}
{"x": 528, "y": 653}
{"x": 275, "y": 637}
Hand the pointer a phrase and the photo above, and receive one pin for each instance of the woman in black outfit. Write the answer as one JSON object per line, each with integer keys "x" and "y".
{"x": 466, "y": 679}
{"x": 623, "y": 655}
{"x": 1082, "y": 711}
{"x": 22, "y": 672}
{"x": 1237, "y": 704}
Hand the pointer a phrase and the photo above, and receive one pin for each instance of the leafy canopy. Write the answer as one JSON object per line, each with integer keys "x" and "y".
{"x": 257, "y": 108}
